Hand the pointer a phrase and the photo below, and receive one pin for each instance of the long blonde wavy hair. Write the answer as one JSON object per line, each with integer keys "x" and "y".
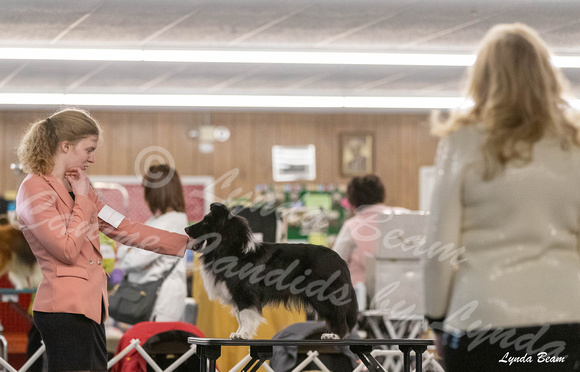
{"x": 38, "y": 146}
{"x": 517, "y": 95}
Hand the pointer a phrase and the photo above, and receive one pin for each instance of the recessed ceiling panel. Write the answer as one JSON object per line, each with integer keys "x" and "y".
{"x": 440, "y": 26}
{"x": 47, "y": 76}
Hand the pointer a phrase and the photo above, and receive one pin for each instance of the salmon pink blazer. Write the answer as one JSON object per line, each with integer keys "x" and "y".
{"x": 64, "y": 236}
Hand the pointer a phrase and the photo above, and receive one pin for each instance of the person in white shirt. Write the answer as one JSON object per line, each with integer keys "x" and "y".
{"x": 164, "y": 196}
{"x": 504, "y": 293}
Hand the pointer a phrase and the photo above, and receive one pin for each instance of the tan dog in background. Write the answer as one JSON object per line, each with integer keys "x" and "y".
{"x": 17, "y": 259}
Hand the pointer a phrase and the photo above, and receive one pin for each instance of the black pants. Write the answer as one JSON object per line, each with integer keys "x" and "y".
{"x": 545, "y": 348}
{"x": 34, "y": 342}
{"x": 73, "y": 342}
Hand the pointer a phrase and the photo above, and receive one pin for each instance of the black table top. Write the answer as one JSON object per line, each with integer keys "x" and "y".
{"x": 289, "y": 342}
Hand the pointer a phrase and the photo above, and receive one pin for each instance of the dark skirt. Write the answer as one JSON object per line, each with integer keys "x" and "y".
{"x": 73, "y": 342}
{"x": 548, "y": 348}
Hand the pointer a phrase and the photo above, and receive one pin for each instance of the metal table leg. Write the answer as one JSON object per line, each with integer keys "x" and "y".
{"x": 364, "y": 353}
{"x": 419, "y": 350}
{"x": 259, "y": 355}
{"x": 406, "y": 357}
{"x": 208, "y": 353}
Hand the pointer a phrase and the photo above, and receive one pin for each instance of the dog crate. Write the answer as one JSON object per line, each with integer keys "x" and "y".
{"x": 395, "y": 287}
{"x": 394, "y": 276}
{"x": 400, "y": 236}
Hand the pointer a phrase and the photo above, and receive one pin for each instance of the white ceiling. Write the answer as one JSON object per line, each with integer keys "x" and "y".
{"x": 305, "y": 25}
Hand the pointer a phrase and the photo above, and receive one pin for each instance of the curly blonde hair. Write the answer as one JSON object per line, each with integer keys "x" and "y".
{"x": 39, "y": 144}
{"x": 517, "y": 95}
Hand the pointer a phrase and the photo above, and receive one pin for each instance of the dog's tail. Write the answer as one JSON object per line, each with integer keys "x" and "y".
{"x": 352, "y": 315}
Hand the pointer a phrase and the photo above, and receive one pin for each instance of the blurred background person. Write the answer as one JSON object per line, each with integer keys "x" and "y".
{"x": 164, "y": 196}
{"x": 357, "y": 237}
{"x": 506, "y": 200}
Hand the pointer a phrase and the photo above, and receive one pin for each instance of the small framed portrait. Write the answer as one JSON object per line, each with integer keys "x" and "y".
{"x": 356, "y": 154}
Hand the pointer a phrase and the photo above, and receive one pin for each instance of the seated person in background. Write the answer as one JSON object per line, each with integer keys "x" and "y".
{"x": 164, "y": 196}
{"x": 357, "y": 238}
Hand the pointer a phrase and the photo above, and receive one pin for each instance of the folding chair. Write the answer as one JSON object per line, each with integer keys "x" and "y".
{"x": 168, "y": 343}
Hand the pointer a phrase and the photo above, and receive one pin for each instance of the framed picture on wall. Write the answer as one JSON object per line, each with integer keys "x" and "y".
{"x": 356, "y": 154}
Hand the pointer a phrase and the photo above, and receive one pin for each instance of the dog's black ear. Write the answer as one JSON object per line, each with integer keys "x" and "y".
{"x": 218, "y": 208}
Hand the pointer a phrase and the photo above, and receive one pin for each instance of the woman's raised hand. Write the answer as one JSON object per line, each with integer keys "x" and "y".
{"x": 78, "y": 180}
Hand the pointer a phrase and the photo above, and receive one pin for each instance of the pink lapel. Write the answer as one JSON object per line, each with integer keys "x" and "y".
{"x": 61, "y": 191}
{"x": 64, "y": 195}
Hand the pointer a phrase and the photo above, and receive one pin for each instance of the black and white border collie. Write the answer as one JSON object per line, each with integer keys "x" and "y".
{"x": 248, "y": 275}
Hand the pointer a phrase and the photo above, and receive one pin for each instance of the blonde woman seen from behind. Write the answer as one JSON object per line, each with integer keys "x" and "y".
{"x": 506, "y": 195}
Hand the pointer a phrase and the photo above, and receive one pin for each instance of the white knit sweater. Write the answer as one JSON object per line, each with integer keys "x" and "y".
{"x": 515, "y": 239}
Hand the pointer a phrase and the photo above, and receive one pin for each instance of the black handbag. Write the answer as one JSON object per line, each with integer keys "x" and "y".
{"x": 133, "y": 303}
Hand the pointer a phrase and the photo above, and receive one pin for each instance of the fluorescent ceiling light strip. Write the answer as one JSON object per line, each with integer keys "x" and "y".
{"x": 237, "y": 101}
{"x": 406, "y": 102}
{"x": 331, "y": 58}
{"x": 249, "y": 56}
{"x": 566, "y": 61}
{"x": 248, "y": 101}
{"x": 238, "y": 56}
{"x": 72, "y": 54}
{"x": 256, "y": 101}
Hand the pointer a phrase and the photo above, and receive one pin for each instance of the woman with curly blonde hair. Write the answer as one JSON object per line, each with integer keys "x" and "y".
{"x": 506, "y": 190}
{"x": 39, "y": 144}
{"x": 61, "y": 216}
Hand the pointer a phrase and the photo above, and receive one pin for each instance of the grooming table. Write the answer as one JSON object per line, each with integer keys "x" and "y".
{"x": 209, "y": 349}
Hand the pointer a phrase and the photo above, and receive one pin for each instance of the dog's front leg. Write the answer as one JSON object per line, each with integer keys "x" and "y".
{"x": 248, "y": 322}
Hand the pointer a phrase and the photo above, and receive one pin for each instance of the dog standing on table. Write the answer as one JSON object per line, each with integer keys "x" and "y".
{"x": 248, "y": 275}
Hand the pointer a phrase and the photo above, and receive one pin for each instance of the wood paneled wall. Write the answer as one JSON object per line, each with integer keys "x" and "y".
{"x": 402, "y": 145}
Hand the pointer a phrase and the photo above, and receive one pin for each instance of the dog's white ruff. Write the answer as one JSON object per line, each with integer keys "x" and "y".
{"x": 215, "y": 290}
{"x": 248, "y": 322}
